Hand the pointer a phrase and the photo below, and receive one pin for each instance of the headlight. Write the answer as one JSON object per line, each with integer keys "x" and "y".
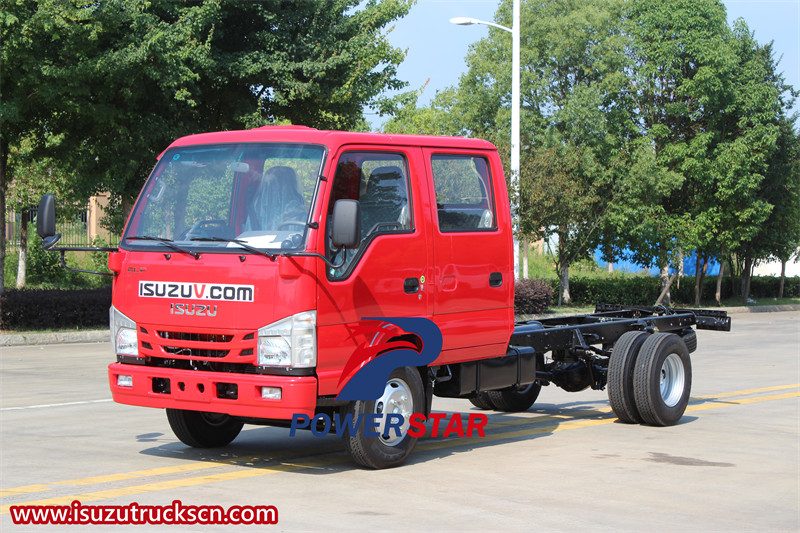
{"x": 291, "y": 342}
{"x": 123, "y": 333}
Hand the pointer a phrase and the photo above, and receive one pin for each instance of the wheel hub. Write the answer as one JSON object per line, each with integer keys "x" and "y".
{"x": 672, "y": 380}
{"x": 396, "y": 399}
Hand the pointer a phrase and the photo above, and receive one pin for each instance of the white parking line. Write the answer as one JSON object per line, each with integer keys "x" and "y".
{"x": 54, "y": 405}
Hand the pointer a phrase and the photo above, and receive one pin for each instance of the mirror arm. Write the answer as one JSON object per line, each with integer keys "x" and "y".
{"x": 64, "y": 264}
{"x": 325, "y": 259}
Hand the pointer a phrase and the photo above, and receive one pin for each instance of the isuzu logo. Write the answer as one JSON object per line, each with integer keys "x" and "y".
{"x": 196, "y": 291}
{"x": 193, "y": 309}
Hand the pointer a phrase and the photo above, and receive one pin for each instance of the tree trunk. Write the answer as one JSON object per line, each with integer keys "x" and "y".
{"x": 783, "y": 278}
{"x": 680, "y": 268}
{"x": 525, "y": 257}
{"x": 746, "y": 274}
{"x": 563, "y": 295}
{"x": 665, "y": 285}
{"x": 718, "y": 293}
{"x": 3, "y": 167}
{"x": 699, "y": 291}
{"x": 665, "y": 291}
{"x": 698, "y": 285}
{"x": 23, "y": 248}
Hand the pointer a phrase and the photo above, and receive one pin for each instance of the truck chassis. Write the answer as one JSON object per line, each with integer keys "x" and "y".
{"x": 641, "y": 354}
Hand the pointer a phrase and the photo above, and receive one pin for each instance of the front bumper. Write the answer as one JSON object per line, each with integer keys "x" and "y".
{"x": 201, "y": 391}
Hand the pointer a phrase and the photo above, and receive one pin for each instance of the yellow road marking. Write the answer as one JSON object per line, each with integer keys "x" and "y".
{"x": 712, "y": 405}
{"x": 174, "y": 484}
{"x": 558, "y": 425}
{"x": 749, "y": 391}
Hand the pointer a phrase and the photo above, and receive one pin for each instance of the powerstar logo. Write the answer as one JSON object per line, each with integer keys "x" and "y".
{"x": 418, "y": 344}
{"x": 196, "y": 291}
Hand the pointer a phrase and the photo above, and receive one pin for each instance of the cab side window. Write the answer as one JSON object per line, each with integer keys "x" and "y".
{"x": 379, "y": 181}
{"x": 464, "y": 200}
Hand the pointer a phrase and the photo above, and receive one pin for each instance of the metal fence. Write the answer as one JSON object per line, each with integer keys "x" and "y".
{"x": 73, "y": 230}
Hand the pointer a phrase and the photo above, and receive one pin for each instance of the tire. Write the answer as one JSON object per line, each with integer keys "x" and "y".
{"x": 689, "y": 337}
{"x": 620, "y": 376}
{"x": 481, "y": 401}
{"x": 662, "y": 379}
{"x": 203, "y": 430}
{"x": 513, "y": 401}
{"x": 405, "y": 393}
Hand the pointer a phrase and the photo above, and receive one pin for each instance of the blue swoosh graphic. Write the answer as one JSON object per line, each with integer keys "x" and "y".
{"x": 370, "y": 381}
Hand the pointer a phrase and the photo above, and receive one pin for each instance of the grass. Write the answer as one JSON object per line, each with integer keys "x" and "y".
{"x": 737, "y": 302}
{"x": 542, "y": 266}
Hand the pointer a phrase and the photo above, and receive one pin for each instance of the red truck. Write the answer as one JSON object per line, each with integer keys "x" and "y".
{"x": 256, "y": 267}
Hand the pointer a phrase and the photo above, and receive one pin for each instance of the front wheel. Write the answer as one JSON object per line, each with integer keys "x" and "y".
{"x": 203, "y": 430}
{"x": 662, "y": 379}
{"x": 403, "y": 395}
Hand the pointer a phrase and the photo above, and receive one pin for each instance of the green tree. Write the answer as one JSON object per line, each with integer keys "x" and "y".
{"x": 573, "y": 79}
{"x": 780, "y": 234}
{"x": 748, "y": 131}
{"x": 440, "y": 117}
{"x": 32, "y": 179}
{"x": 103, "y": 87}
{"x": 682, "y": 62}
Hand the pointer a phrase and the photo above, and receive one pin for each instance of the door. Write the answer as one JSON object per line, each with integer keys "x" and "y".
{"x": 473, "y": 283}
{"x": 385, "y": 276}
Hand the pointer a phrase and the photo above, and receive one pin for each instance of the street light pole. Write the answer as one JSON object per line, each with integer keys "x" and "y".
{"x": 515, "y": 104}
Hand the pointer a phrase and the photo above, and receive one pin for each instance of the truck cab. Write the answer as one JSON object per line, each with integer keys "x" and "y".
{"x": 235, "y": 298}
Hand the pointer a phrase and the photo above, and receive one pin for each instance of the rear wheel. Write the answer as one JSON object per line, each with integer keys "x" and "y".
{"x": 404, "y": 395}
{"x": 662, "y": 379}
{"x": 689, "y": 337}
{"x": 515, "y": 400}
{"x": 620, "y": 376}
{"x": 203, "y": 430}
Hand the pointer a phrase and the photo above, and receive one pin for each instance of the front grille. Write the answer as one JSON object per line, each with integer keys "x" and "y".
{"x": 208, "y": 366}
{"x": 195, "y": 337}
{"x": 206, "y": 346}
{"x": 195, "y": 352}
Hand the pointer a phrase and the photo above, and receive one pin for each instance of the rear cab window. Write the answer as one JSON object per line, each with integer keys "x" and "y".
{"x": 464, "y": 196}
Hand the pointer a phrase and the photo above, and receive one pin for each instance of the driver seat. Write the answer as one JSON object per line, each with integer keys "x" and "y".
{"x": 276, "y": 201}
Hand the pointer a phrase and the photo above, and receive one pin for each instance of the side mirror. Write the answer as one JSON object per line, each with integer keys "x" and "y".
{"x": 346, "y": 224}
{"x": 46, "y": 221}
{"x": 46, "y": 217}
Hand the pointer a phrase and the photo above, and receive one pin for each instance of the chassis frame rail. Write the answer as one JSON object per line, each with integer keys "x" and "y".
{"x": 608, "y": 323}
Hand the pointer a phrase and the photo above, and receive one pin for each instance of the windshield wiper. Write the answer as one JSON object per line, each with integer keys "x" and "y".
{"x": 240, "y": 243}
{"x": 273, "y": 256}
{"x": 167, "y": 242}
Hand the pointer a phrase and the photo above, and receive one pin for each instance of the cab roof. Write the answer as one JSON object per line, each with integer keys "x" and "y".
{"x": 331, "y": 139}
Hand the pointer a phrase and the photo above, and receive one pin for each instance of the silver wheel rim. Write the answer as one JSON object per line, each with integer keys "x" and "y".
{"x": 672, "y": 380}
{"x": 396, "y": 399}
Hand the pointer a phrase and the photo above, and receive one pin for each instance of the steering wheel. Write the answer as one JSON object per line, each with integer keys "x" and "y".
{"x": 205, "y": 228}
{"x": 300, "y": 223}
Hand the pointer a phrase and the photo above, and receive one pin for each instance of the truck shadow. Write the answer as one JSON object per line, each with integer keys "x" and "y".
{"x": 272, "y": 448}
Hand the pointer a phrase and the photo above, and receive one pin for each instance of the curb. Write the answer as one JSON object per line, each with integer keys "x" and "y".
{"x": 60, "y": 337}
{"x": 66, "y": 337}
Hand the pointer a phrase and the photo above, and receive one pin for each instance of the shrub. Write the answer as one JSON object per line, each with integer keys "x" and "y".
{"x": 55, "y": 308}
{"x": 532, "y": 296}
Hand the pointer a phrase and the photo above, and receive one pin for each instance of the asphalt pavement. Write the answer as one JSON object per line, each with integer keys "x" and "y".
{"x": 566, "y": 464}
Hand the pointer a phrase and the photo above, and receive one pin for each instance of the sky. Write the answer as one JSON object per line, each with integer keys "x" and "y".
{"x": 437, "y": 48}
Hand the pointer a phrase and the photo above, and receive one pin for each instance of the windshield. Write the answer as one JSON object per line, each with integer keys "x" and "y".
{"x": 209, "y": 195}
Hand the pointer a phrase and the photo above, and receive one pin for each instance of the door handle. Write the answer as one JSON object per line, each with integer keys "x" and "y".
{"x": 495, "y": 279}
{"x": 411, "y": 285}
